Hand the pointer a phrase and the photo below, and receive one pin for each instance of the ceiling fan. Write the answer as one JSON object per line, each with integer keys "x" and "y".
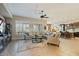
{"x": 43, "y": 15}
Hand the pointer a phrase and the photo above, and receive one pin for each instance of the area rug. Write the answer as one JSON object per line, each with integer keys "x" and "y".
{"x": 24, "y": 46}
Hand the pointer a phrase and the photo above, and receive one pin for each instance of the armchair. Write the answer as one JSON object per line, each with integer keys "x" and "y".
{"x": 54, "y": 40}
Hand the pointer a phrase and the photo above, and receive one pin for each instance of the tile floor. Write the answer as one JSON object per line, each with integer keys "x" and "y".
{"x": 68, "y": 47}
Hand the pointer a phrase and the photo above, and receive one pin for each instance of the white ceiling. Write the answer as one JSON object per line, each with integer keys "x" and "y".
{"x": 57, "y": 12}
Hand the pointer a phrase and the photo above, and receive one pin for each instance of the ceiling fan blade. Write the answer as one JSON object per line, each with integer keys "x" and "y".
{"x": 43, "y": 17}
{"x": 46, "y": 17}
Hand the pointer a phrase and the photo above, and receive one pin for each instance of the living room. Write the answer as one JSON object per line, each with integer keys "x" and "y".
{"x": 36, "y": 29}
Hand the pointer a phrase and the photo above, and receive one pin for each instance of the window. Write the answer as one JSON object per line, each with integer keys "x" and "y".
{"x": 36, "y": 28}
{"x": 26, "y": 28}
{"x": 22, "y": 27}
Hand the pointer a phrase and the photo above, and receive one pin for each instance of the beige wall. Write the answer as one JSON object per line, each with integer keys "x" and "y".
{"x": 26, "y": 20}
{"x": 29, "y": 20}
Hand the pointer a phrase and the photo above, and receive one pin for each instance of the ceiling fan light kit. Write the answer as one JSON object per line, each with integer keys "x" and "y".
{"x": 43, "y": 14}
